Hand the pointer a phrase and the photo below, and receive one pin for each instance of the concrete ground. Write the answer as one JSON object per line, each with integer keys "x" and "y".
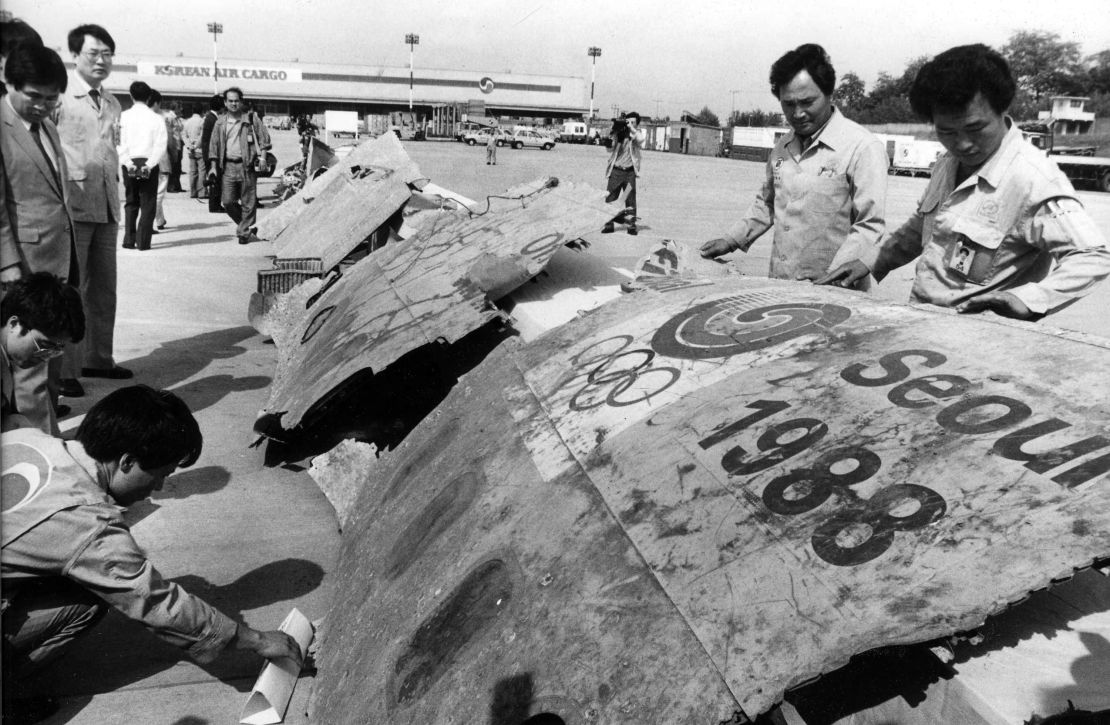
{"x": 257, "y": 540}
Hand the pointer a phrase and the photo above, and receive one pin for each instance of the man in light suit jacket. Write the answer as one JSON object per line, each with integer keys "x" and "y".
{"x": 88, "y": 123}
{"x": 36, "y": 232}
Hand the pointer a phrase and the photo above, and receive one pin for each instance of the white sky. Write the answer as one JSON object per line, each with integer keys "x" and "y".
{"x": 657, "y": 55}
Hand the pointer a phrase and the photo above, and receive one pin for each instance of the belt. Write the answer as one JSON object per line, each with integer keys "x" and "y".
{"x": 233, "y": 161}
{"x": 623, "y": 168}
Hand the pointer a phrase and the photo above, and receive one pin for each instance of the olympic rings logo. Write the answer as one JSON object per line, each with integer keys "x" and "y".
{"x": 616, "y": 375}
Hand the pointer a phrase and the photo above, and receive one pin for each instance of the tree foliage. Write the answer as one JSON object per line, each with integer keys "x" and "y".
{"x": 756, "y": 118}
{"x": 1043, "y": 64}
{"x": 706, "y": 116}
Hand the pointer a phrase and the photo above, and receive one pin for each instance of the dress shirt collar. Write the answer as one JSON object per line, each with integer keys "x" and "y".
{"x": 992, "y": 169}
{"x": 832, "y": 134}
{"x": 79, "y": 87}
{"x": 25, "y": 122}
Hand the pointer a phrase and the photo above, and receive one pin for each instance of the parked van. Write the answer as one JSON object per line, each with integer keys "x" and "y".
{"x": 574, "y": 132}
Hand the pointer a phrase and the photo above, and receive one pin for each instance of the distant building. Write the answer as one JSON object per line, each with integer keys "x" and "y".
{"x": 690, "y": 137}
{"x": 1069, "y": 114}
{"x": 278, "y": 88}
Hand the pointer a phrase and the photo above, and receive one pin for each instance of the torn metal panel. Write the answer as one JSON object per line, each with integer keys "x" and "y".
{"x": 471, "y": 590}
{"x": 805, "y": 472}
{"x": 436, "y": 284}
{"x": 357, "y": 203}
{"x": 384, "y": 152}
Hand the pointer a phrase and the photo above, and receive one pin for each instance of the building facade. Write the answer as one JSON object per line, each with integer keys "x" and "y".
{"x": 293, "y": 88}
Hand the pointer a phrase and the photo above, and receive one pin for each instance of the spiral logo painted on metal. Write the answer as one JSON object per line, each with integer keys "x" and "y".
{"x": 728, "y": 326}
{"x": 486, "y": 85}
{"x": 26, "y": 473}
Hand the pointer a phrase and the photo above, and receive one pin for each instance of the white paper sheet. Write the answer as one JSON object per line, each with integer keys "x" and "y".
{"x": 272, "y": 691}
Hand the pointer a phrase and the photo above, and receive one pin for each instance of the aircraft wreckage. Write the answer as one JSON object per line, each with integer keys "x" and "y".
{"x": 686, "y": 500}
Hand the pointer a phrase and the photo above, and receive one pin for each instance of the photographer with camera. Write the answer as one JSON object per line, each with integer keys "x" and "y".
{"x": 237, "y": 153}
{"x": 623, "y": 168}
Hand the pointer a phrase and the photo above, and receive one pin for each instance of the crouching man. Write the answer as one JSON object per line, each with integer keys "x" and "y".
{"x": 999, "y": 227}
{"x": 41, "y": 315}
{"x": 67, "y": 552}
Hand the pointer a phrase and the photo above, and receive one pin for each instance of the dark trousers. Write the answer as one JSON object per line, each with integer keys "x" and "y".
{"x": 42, "y": 618}
{"x": 196, "y": 174}
{"x": 618, "y": 179}
{"x": 175, "y": 170}
{"x": 240, "y": 186}
{"x": 139, "y": 209}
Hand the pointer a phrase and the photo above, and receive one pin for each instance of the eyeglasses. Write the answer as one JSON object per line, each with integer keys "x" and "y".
{"x": 48, "y": 348}
{"x": 105, "y": 55}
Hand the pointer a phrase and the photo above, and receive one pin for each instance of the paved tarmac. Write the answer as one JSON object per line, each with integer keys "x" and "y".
{"x": 257, "y": 540}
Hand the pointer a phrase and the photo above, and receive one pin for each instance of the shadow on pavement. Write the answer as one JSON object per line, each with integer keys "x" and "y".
{"x": 178, "y": 360}
{"x": 207, "y": 391}
{"x": 119, "y": 652}
{"x": 194, "y": 482}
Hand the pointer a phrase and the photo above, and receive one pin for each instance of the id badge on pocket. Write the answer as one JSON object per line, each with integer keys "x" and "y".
{"x": 970, "y": 261}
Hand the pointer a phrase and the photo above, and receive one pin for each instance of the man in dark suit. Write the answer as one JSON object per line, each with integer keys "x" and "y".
{"x": 36, "y": 231}
{"x": 215, "y": 108}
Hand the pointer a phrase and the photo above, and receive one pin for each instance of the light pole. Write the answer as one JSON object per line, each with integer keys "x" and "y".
{"x": 733, "y": 114}
{"x": 593, "y": 51}
{"x": 215, "y": 29}
{"x": 657, "y": 102}
{"x": 413, "y": 40}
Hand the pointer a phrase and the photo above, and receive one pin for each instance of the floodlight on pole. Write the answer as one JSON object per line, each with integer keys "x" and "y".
{"x": 215, "y": 29}
{"x": 730, "y": 116}
{"x": 593, "y": 51}
{"x": 657, "y": 111}
{"x": 413, "y": 40}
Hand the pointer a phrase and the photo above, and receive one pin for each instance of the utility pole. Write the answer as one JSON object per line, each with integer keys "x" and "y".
{"x": 657, "y": 102}
{"x": 593, "y": 51}
{"x": 412, "y": 40}
{"x": 215, "y": 29}
{"x": 733, "y": 93}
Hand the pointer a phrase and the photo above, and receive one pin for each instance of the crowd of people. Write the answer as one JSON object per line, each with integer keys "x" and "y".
{"x": 67, "y": 554}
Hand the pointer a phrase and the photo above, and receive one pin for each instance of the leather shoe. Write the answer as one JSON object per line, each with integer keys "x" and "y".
{"x": 116, "y": 373}
{"x": 633, "y": 230}
{"x": 249, "y": 239}
{"x": 62, "y": 410}
{"x": 608, "y": 228}
{"x": 70, "y": 388}
{"x": 128, "y": 246}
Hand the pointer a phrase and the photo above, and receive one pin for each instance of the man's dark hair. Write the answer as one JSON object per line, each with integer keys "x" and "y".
{"x": 155, "y": 98}
{"x": 16, "y": 32}
{"x": 45, "y": 303}
{"x": 140, "y": 91}
{"x": 29, "y": 63}
{"x": 950, "y": 80}
{"x": 76, "y": 38}
{"x": 632, "y": 114}
{"x": 216, "y": 103}
{"x": 154, "y": 426}
{"x": 234, "y": 89}
{"x": 810, "y": 58}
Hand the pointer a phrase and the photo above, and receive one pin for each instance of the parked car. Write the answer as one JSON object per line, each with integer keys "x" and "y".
{"x": 481, "y": 136}
{"x": 520, "y": 139}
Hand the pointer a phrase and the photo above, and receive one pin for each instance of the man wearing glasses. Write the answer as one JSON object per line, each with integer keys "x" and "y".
{"x": 237, "y": 154}
{"x": 36, "y": 232}
{"x": 88, "y": 123}
{"x": 41, "y": 315}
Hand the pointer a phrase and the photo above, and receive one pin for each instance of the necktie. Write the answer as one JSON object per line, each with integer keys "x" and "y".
{"x": 38, "y": 142}
{"x": 95, "y": 95}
